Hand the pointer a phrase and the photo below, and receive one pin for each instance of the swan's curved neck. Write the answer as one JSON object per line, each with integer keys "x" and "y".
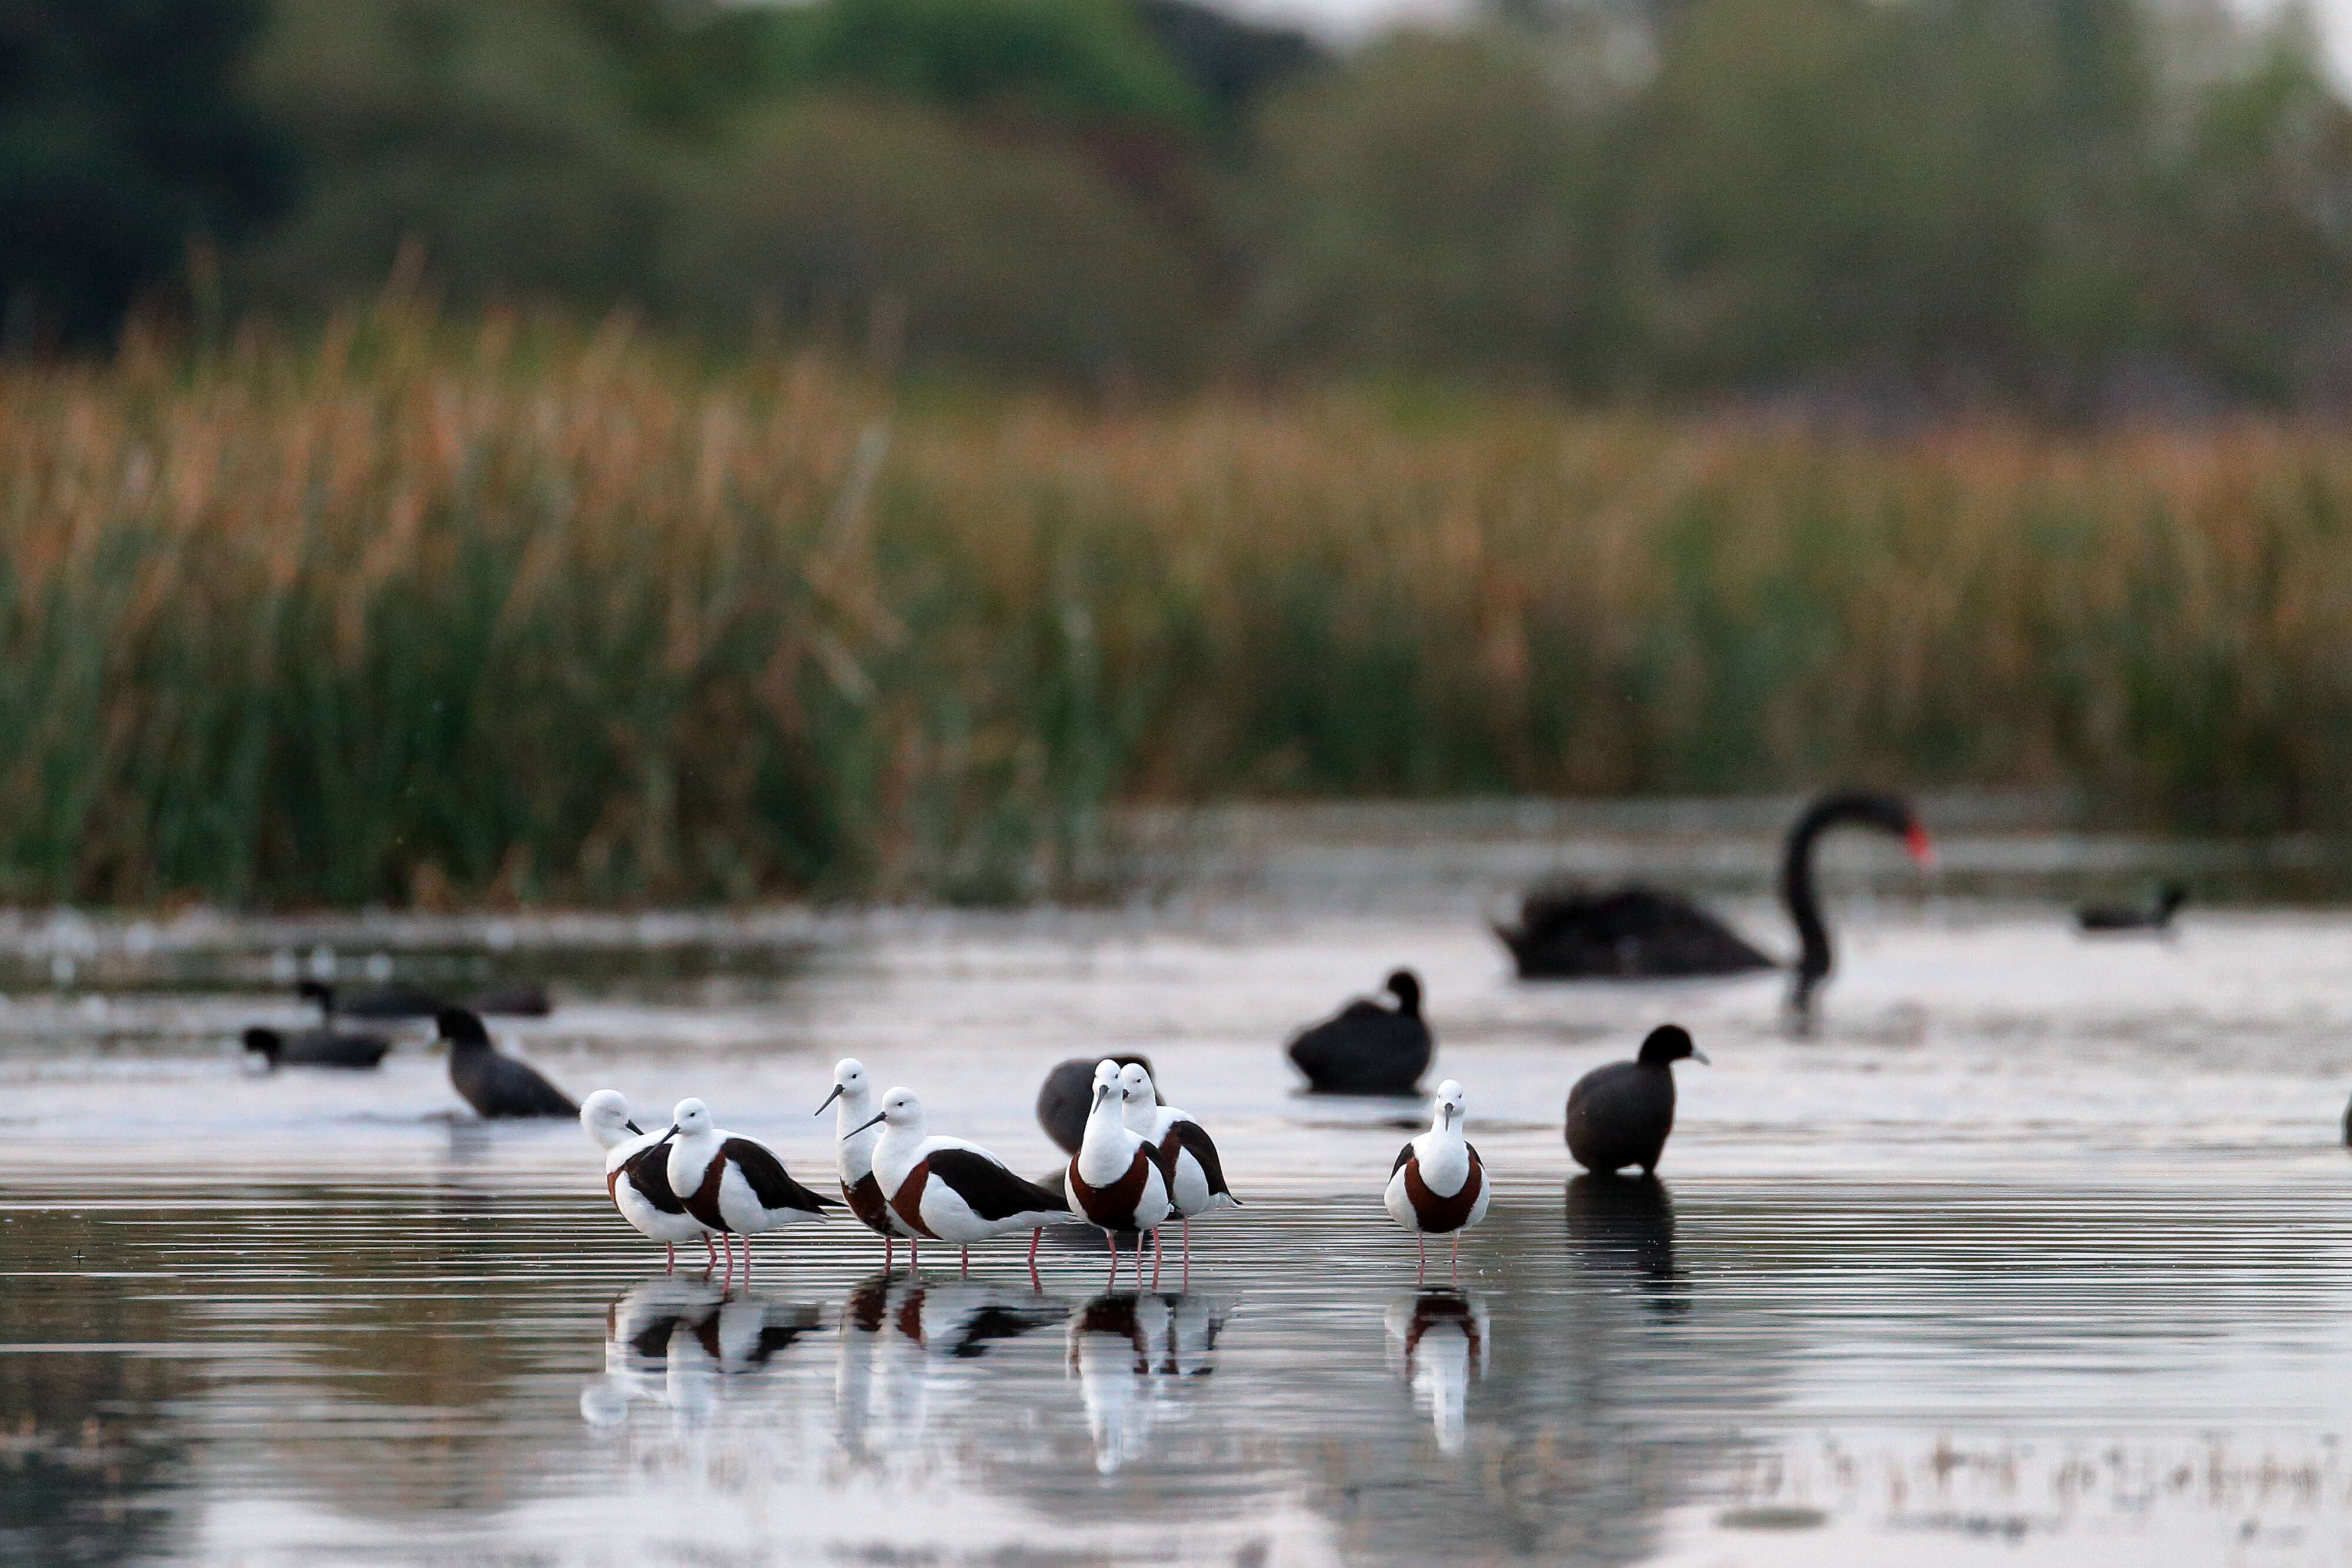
{"x": 1798, "y": 893}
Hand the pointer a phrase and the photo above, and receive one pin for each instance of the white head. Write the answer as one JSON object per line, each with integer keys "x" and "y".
{"x": 1135, "y": 1083}
{"x": 1451, "y": 1104}
{"x": 850, "y": 1085}
{"x": 691, "y": 1119}
{"x": 901, "y": 1113}
{"x": 1106, "y": 1092}
{"x": 606, "y": 1114}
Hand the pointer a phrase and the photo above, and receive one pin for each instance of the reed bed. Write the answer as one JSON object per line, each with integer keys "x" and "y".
{"x": 422, "y": 613}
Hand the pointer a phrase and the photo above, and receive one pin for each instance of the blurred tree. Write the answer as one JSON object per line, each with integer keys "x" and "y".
{"x": 502, "y": 137}
{"x": 1427, "y": 210}
{"x": 892, "y": 224}
{"x": 1230, "y": 63}
{"x": 1087, "y": 61}
{"x": 122, "y": 136}
{"x": 2257, "y": 252}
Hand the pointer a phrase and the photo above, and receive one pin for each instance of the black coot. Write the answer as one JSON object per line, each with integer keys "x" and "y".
{"x": 495, "y": 1085}
{"x": 2169, "y": 897}
{"x": 315, "y": 1048}
{"x": 1620, "y": 1115}
{"x": 1637, "y": 933}
{"x": 1367, "y": 1048}
{"x": 1068, "y": 1094}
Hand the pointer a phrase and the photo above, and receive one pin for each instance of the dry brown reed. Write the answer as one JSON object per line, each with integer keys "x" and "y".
{"x": 417, "y": 613}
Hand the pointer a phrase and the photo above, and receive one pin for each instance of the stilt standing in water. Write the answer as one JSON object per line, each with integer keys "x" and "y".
{"x": 1438, "y": 1185}
{"x": 852, "y": 1123}
{"x": 735, "y": 1185}
{"x": 637, "y": 1176}
{"x": 945, "y": 1189}
{"x": 1188, "y": 1157}
{"x": 1114, "y": 1180}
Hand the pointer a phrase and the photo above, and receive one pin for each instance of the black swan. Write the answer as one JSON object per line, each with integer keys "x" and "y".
{"x": 1620, "y": 1115}
{"x": 1636, "y": 933}
{"x": 493, "y": 1085}
{"x": 1068, "y": 1094}
{"x": 2169, "y": 897}
{"x": 315, "y": 1048}
{"x": 387, "y": 1002}
{"x": 380, "y": 1002}
{"x": 1367, "y": 1048}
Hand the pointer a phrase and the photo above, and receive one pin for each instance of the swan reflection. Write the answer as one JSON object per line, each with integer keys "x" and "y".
{"x": 668, "y": 1340}
{"x": 1621, "y": 1231}
{"x": 1125, "y": 1348}
{"x": 1438, "y": 1338}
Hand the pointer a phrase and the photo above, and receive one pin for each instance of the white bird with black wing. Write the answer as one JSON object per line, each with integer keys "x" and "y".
{"x": 636, "y": 1175}
{"x": 945, "y": 1189}
{"x": 734, "y": 1185}
{"x": 1187, "y": 1154}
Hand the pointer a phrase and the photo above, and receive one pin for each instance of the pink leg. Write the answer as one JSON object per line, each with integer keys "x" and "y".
{"x": 747, "y": 1263}
{"x": 1112, "y": 1238}
{"x": 670, "y": 1248}
{"x": 1035, "y": 1236}
{"x": 963, "y": 1269}
{"x": 889, "y": 1250}
{"x": 1155, "y": 1258}
{"x": 709, "y": 1254}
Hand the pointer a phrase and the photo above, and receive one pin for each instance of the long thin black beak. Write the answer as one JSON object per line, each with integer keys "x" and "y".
{"x": 634, "y": 1128}
{"x": 673, "y": 1131}
{"x": 828, "y": 1099}
{"x": 861, "y": 1127}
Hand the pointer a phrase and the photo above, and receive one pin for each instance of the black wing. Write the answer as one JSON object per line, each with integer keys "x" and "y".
{"x": 771, "y": 1184}
{"x": 650, "y": 1176}
{"x": 1403, "y": 1154}
{"x": 1193, "y": 1139}
{"x": 993, "y": 1192}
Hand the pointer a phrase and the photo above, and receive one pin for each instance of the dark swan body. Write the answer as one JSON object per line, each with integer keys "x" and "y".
{"x": 1367, "y": 1049}
{"x": 390, "y": 1003}
{"x": 1068, "y": 1093}
{"x": 1620, "y": 1115}
{"x": 2119, "y": 917}
{"x": 1636, "y": 933}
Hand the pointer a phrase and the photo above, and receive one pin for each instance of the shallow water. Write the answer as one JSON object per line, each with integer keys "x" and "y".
{"x": 2036, "y": 1252}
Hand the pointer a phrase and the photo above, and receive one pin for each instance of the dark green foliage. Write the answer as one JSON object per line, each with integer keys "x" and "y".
{"x": 1076, "y": 61}
{"x": 121, "y": 138}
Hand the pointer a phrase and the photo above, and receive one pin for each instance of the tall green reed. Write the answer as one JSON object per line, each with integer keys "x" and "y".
{"x": 434, "y": 611}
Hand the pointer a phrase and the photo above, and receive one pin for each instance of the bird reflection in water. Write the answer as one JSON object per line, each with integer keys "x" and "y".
{"x": 1621, "y": 1230}
{"x": 668, "y": 1340}
{"x": 903, "y": 1338}
{"x": 1438, "y": 1338}
{"x": 1125, "y": 1351}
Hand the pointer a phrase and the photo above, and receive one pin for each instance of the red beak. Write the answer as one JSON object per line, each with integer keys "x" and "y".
{"x": 1922, "y": 852}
